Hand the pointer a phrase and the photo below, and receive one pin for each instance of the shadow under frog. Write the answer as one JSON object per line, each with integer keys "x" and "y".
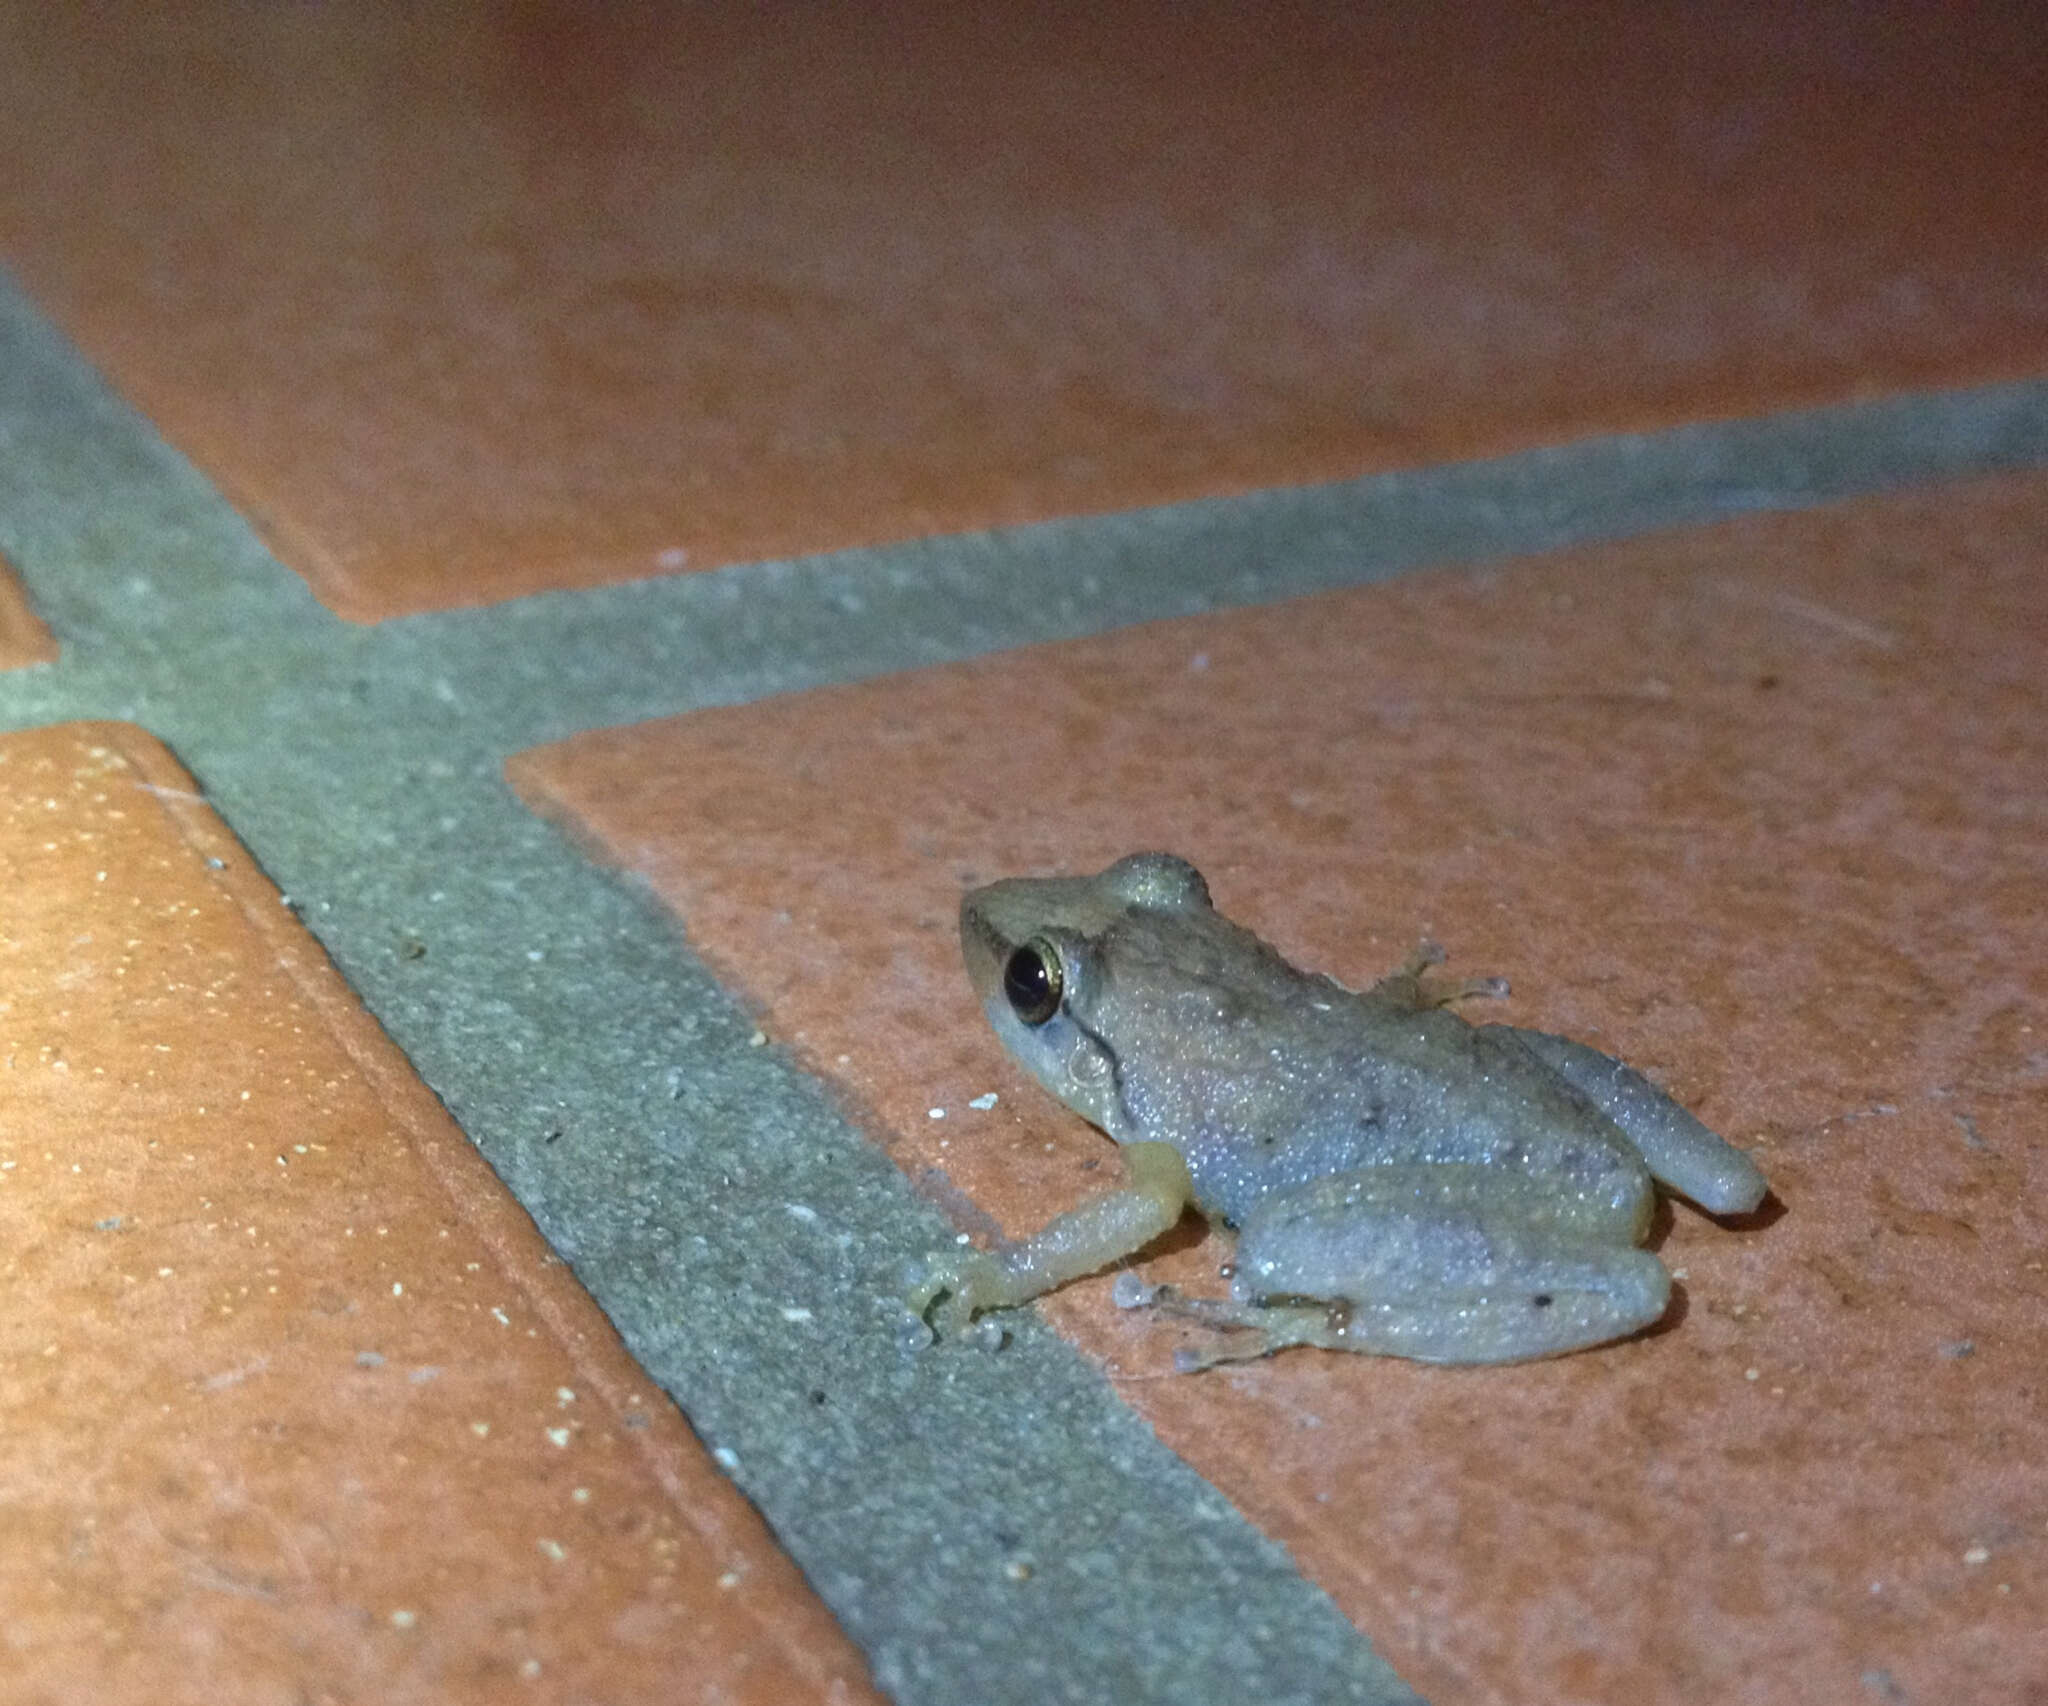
{"x": 1402, "y": 1182}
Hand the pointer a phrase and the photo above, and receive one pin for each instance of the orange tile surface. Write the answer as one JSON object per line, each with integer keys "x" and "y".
{"x": 458, "y": 303}
{"x": 295, "y": 1404}
{"x": 1757, "y": 808}
{"x": 23, "y": 638}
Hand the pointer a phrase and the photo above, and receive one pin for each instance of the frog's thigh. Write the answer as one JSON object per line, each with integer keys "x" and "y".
{"x": 1442, "y": 1263}
{"x": 1680, "y": 1151}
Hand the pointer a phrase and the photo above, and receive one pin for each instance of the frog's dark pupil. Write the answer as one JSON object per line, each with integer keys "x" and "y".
{"x": 1031, "y": 981}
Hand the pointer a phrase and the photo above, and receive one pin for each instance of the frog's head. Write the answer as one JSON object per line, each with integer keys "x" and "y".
{"x": 1037, "y": 952}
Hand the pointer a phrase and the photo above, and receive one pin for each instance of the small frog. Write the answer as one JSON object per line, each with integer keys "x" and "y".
{"x": 1402, "y": 1182}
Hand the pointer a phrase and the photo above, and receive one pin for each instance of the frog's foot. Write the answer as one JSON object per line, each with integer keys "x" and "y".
{"x": 950, "y": 1287}
{"x": 1412, "y": 986}
{"x": 1257, "y": 1330}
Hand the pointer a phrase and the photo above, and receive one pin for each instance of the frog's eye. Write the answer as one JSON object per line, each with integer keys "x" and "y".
{"x": 1031, "y": 981}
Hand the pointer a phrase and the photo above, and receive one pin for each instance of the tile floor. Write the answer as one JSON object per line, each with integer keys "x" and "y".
{"x": 301, "y": 1401}
{"x": 532, "y": 1337}
{"x": 499, "y": 299}
{"x": 1825, "y": 716}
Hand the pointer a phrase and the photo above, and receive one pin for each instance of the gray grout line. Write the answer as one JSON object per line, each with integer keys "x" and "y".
{"x": 860, "y": 613}
{"x": 544, "y": 667}
{"x": 610, "y": 1080}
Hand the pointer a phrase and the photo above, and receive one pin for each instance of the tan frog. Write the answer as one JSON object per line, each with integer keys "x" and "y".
{"x": 1402, "y": 1182}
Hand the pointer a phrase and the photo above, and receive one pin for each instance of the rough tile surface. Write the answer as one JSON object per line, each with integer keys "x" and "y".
{"x": 1756, "y": 807}
{"x": 23, "y": 638}
{"x": 462, "y": 303}
{"x": 294, "y": 1402}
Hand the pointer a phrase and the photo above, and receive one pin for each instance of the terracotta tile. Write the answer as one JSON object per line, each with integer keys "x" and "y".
{"x": 462, "y": 303}
{"x": 23, "y": 638}
{"x": 296, "y": 1403}
{"x": 1757, "y": 808}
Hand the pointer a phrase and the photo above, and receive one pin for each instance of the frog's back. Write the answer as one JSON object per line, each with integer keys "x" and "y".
{"x": 1285, "y": 1077}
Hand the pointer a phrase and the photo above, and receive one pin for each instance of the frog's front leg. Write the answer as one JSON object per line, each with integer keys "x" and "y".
{"x": 1441, "y": 1263}
{"x": 1105, "y": 1229}
{"x": 1412, "y": 986}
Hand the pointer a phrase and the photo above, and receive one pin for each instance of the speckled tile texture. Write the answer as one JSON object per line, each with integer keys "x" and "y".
{"x": 459, "y": 303}
{"x": 23, "y": 638}
{"x": 1758, "y": 808}
{"x": 294, "y": 1402}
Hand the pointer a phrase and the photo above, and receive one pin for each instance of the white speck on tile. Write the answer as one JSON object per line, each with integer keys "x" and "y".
{"x": 482, "y": 1430}
{"x": 565, "y": 1395}
{"x": 504, "y": 1320}
{"x": 1977, "y": 1555}
{"x": 801, "y": 1211}
{"x": 397, "y": 1288}
{"x": 559, "y": 1437}
{"x": 983, "y": 1102}
{"x": 730, "y": 1580}
{"x": 795, "y": 1313}
{"x": 935, "y": 1113}
{"x": 726, "y": 1458}
{"x": 404, "y": 1619}
{"x": 552, "y": 1550}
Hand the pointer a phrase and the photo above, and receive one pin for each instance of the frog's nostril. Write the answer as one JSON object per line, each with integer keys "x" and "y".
{"x": 1032, "y": 982}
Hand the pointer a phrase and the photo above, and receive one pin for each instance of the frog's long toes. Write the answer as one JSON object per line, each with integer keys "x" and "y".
{"x": 1129, "y": 1290}
{"x": 1243, "y": 1347}
{"x": 914, "y": 1333}
{"x": 921, "y": 1288}
{"x": 936, "y": 1293}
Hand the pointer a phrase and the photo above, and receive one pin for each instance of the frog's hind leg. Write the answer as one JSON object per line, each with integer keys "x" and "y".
{"x": 1516, "y": 1325}
{"x": 1445, "y": 1262}
{"x": 1679, "y": 1151}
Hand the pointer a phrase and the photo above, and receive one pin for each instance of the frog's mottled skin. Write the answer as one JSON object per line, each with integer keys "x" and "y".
{"x": 1402, "y": 1182}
